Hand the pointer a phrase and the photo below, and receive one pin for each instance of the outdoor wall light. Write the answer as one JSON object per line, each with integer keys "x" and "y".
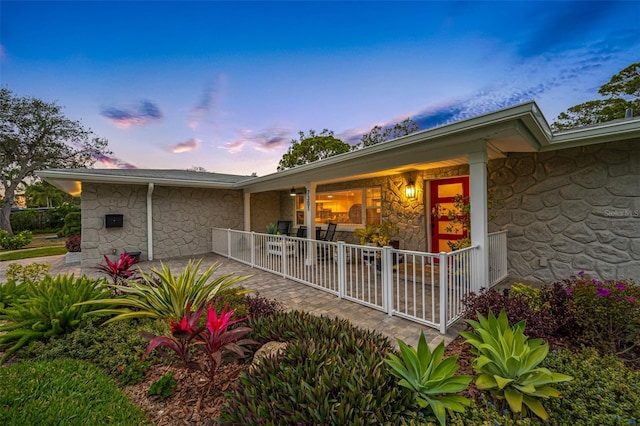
{"x": 292, "y": 193}
{"x": 410, "y": 189}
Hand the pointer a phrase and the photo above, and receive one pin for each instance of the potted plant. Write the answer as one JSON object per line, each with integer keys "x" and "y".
{"x": 377, "y": 235}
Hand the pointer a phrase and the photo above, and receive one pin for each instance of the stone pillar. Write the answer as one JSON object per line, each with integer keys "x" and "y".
{"x": 479, "y": 216}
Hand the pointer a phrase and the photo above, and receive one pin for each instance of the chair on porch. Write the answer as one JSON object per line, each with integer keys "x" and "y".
{"x": 284, "y": 227}
{"x": 330, "y": 234}
{"x": 324, "y": 252}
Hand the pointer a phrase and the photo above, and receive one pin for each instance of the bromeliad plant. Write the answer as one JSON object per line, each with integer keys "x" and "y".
{"x": 507, "y": 364}
{"x": 216, "y": 338}
{"x": 118, "y": 270}
{"x": 167, "y": 296}
{"x": 431, "y": 378}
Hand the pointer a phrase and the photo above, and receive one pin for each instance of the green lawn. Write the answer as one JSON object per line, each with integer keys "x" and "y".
{"x": 30, "y": 253}
{"x": 41, "y": 245}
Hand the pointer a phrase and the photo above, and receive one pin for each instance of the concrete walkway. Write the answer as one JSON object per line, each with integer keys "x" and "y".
{"x": 291, "y": 294}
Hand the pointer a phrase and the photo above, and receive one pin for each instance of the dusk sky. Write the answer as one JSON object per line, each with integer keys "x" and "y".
{"x": 227, "y": 85}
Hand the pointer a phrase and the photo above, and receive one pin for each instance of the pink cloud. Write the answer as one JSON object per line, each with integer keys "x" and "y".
{"x": 265, "y": 141}
{"x": 111, "y": 162}
{"x": 187, "y": 146}
{"x": 143, "y": 113}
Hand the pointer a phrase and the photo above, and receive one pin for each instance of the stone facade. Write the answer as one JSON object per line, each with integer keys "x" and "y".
{"x": 265, "y": 209}
{"x": 183, "y": 218}
{"x": 565, "y": 211}
{"x": 570, "y": 210}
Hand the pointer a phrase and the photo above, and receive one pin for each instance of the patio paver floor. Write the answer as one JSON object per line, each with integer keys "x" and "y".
{"x": 292, "y": 295}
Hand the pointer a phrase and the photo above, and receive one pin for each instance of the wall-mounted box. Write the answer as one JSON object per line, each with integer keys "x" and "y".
{"x": 113, "y": 221}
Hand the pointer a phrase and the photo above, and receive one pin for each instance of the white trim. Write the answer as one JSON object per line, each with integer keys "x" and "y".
{"x": 150, "y": 221}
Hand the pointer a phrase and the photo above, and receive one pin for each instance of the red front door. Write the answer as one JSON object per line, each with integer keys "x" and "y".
{"x": 443, "y": 195}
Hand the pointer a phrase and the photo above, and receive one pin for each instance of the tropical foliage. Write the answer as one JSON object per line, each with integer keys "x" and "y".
{"x": 507, "y": 364}
{"x": 312, "y": 147}
{"x": 164, "y": 295}
{"x": 432, "y": 379}
{"x": 48, "y": 308}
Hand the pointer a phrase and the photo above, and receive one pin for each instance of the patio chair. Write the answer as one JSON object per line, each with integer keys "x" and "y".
{"x": 302, "y": 232}
{"x": 284, "y": 227}
{"x": 331, "y": 232}
{"x": 323, "y": 251}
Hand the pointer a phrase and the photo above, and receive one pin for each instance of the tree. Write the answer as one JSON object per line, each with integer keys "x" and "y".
{"x": 43, "y": 194}
{"x": 312, "y": 147}
{"x": 36, "y": 135}
{"x": 622, "y": 92}
{"x": 382, "y": 134}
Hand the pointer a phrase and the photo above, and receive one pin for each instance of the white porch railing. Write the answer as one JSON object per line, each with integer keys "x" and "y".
{"x": 422, "y": 287}
{"x": 498, "y": 270}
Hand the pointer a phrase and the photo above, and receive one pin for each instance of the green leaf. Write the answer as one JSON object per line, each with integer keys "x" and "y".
{"x": 514, "y": 399}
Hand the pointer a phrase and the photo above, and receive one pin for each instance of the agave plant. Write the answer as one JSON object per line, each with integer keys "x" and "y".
{"x": 432, "y": 378}
{"x": 166, "y": 296}
{"x": 507, "y": 363}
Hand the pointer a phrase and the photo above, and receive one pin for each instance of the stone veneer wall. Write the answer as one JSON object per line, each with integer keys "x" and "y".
{"x": 183, "y": 218}
{"x": 265, "y": 209}
{"x": 570, "y": 210}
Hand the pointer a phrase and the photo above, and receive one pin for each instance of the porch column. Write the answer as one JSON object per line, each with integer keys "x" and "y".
{"x": 247, "y": 210}
{"x": 310, "y": 221}
{"x": 479, "y": 216}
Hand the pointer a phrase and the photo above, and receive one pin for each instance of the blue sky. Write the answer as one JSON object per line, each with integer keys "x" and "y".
{"x": 227, "y": 85}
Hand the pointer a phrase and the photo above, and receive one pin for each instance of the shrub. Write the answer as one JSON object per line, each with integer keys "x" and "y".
{"x": 112, "y": 347}
{"x": 10, "y": 293}
{"x": 539, "y": 323}
{"x": 26, "y": 220}
{"x": 74, "y": 243}
{"x": 48, "y": 309}
{"x": 166, "y": 296}
{"x": 607, "y": 314}
{"x": 18, "y": 241}
{"x": 432, "y": 380}
{"x": 507, "y": 364}
{"x": 331, "y": 373}
{"x": 25, "y": 273}
{"x": 72, "y": 224}
{"x": 259, "y": 307}
{"x": 63, "y": 392}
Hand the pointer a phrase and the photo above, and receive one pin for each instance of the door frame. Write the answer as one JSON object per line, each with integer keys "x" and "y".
{"x": 429, "y": 198}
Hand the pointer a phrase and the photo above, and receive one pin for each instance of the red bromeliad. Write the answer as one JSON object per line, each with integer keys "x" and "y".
{"x": 183, "y": 332}
{"x": 119, "y": 269}
{"x": 215, "y": 339}
{"x": 221, "y": 339}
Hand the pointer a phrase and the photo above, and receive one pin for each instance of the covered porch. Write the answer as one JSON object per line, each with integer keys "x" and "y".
{"x": 426, "y": 288}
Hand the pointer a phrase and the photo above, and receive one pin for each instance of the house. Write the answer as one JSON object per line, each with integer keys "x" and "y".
{"x": 569, "y": 201}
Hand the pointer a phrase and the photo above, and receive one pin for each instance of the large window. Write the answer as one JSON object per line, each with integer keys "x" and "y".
{"x": 348, "y": 207}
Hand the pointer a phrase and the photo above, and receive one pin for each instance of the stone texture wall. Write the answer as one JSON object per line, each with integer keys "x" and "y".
{"x": 183, "y": 218}
{"x": 570, "y": 210}
{"x": 265, "y": 209}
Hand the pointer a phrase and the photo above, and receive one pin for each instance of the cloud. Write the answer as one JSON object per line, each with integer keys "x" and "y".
{"x": 264, "y": 141}
{"x": 208, "y": 104}
{"x": 143, "y": 113}
{"x": 187, "y": 146}
{"x": 111, "y": 162}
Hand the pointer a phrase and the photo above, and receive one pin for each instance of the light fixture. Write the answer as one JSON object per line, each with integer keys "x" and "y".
{"x": 410, "y": 189}
{"x": 292, "y": 192}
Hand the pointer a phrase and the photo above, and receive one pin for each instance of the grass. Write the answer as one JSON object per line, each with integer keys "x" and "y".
{"x": 42, "y": 245}
{"x": 63, "y": 391}
{"x": 30, "y": 253}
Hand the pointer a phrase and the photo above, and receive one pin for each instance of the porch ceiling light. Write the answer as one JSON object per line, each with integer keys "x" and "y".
{"x": 410, "y": 189}
{"x": 292, "y": 193}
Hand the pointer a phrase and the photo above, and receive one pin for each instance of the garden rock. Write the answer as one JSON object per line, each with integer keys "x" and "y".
{"x": 267, "y": 350}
